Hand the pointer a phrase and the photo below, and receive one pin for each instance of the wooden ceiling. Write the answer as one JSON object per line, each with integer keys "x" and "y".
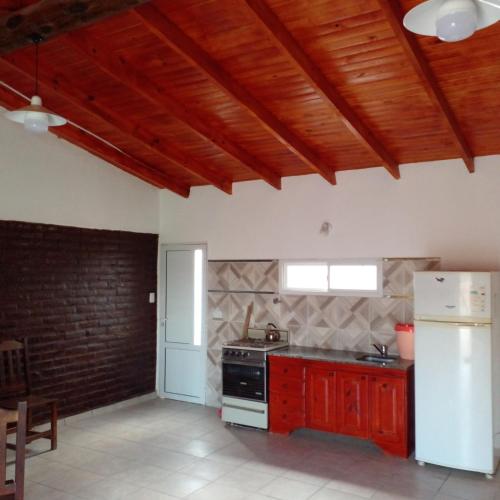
{"x": 195, "y": 92}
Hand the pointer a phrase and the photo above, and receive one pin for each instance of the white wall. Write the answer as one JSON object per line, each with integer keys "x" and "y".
{"x": 48, "y": 180}
{"x": 436, "y": 209}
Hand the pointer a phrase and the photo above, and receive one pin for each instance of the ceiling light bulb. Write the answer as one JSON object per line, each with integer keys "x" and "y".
{"x": 457, "y": 20}
{"x": 36, "y": 122}
{"x": 35, "y": 117}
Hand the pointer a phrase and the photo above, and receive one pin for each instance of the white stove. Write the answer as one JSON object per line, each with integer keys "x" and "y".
{"x": 244, "y": 378}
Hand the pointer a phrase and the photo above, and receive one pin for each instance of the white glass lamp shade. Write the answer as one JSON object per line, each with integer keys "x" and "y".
{"x": 35, "y": 117}
{"x": 457, "y": 20}
{"x": 452, "y": 20}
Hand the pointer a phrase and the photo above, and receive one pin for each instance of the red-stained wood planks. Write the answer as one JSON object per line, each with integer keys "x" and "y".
{"x": 394, "y": 14}
{"x": 278, "y": 32}
{"x": 57, "y": 83}
{"x": 119, "y": 69}
{"x": 170, "y": 34}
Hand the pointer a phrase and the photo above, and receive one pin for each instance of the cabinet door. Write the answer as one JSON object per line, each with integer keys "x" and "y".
{"x": 320, "y": 399}
{"x": 388, "y": 409}
{"x": 352, "y": 404}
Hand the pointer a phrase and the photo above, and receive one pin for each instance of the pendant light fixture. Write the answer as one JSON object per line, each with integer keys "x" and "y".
{"x": 35, "y": 117}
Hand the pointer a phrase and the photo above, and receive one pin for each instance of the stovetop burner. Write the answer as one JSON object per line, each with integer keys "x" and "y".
{"x": 256, "y": 344}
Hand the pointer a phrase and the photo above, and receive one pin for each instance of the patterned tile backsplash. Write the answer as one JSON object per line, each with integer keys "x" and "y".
{"x": 350, "y": 323}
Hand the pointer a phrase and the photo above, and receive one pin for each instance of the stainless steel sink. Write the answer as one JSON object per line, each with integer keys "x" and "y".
{"x": 370, "y": 358}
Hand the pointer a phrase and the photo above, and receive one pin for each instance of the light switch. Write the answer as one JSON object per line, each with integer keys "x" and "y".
{"x": 152, "y": 297}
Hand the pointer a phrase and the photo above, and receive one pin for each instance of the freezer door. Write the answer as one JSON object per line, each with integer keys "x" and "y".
{"x": 453, "y": 396}
{"x": 453, "y": 296}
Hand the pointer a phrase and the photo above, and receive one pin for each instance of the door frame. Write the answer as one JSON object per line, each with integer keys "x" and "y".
{"x": 161, "y": 311}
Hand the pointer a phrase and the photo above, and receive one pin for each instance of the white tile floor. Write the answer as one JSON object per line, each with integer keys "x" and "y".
{"x": 165, "y": 450}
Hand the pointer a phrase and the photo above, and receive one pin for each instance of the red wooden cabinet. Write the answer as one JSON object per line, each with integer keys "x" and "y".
{"x": 352, "y": 404}
{"x": 287, "y": 395}
{"x": 363, "y": 401}
{"x": 388, "y": 413}
{"x": 320, "y": 399}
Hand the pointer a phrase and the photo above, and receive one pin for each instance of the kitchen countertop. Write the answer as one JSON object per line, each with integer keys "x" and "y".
{"x": 337, "y": 356}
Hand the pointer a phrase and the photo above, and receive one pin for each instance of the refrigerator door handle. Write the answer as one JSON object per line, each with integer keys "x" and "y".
{"x": 453, "y": 323}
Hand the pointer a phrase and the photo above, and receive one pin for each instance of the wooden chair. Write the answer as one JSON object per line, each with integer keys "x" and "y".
{"x": 13, "y": 489}
{"x": 15, "y": 386}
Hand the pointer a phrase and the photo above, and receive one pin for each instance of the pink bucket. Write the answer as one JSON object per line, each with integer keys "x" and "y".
{"x": 404, "y": 339}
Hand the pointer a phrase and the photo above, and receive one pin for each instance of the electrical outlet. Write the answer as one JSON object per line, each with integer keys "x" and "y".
{"x": 152, "y": 297}
{"x": 217, "y": 314}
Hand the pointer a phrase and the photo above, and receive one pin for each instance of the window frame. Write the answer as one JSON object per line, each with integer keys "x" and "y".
{"x": 379, "y": 292}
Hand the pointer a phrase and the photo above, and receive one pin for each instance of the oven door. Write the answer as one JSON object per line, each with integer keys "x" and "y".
{"x": 243, "y": 380}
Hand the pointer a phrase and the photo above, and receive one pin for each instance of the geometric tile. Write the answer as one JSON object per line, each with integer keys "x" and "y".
{"x": 324, "y": 338}
{"x": 321, "y": 311}
{"x": 253, "y": 276}
{"x": 217, "y": 275}
{"x": 386, "y": 313}
{"x": 299, "y": 335}
{"x": 352, "y": 340}
{"x": 293, "y": 310}
{"x": 219, "y": 306}
{"x": 408, "y": 305}
{"x": 352, "y": 313}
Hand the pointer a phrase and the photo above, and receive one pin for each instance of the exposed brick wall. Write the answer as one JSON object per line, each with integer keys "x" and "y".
{"x": 81, "y": 297}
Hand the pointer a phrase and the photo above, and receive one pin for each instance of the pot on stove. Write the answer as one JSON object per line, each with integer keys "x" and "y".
{"x": 272, "y": 333}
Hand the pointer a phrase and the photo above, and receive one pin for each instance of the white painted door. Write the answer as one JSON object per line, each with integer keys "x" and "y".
{"x": 182, "y": 339}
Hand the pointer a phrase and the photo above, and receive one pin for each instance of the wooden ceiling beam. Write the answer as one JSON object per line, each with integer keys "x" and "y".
{"x": 176, "y": 39}
{"x": 120, "y": 70}
{"x": 98, "y": 148}
{"x": 279, "y": 34}
{"x": 394, "y": 15}
{"x": 51, "y": 18}
{"x": 88, "y": 104}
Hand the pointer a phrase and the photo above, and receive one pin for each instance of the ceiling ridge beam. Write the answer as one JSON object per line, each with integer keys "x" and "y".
{"x": 280, "y": 35}
{"x": 409, "y": 43}
{"x": 121, "y": 71}
{"x": 54, "y": 17}
{"x": 176, "y": 39}
{"x": 100, "y": 149}
{"x": 78, "y": 98}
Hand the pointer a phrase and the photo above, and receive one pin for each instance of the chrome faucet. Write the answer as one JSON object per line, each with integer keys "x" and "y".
{"x": 382, "y": 349}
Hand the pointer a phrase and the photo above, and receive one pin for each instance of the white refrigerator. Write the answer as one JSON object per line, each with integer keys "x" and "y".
{"x": 457, "y": 369}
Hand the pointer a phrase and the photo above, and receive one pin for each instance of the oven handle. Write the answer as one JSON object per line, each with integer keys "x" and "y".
{"x": 234, "y": 407}
{"x": 242, "y": 363}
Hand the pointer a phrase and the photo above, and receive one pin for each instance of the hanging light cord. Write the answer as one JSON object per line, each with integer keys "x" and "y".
{"x": 37, "y": 45}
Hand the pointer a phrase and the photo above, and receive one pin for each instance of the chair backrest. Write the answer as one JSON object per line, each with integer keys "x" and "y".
{"x": 14, "y": 368}
{"x": 13, "y": 489}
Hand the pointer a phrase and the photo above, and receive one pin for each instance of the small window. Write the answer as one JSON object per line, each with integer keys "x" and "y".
{"x": 359, "y": 278}
{"x": 306, "y": 276}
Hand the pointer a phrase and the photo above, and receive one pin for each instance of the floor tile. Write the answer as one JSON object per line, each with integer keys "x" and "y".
{"x": 285, "y": 489}
{"x": 178, "y": 485}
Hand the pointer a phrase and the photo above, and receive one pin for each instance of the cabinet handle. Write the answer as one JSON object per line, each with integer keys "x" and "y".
{"x": 285, "y": 402}
{"x": 348, "y": 393}
{"x": 384, "y": 386}
{"x": 285, "y": 370}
